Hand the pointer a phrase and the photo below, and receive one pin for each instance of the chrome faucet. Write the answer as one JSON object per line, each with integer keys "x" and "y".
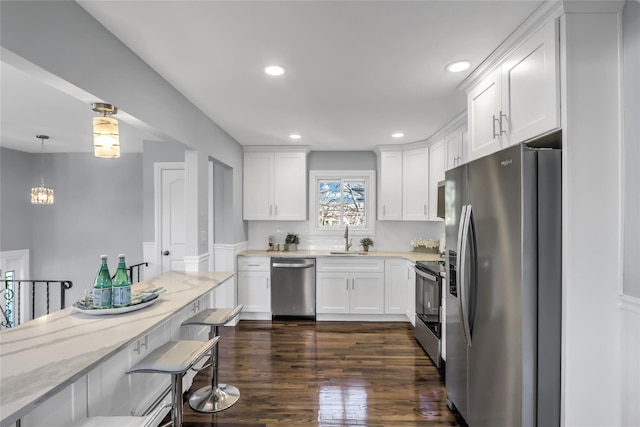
{"x": 347, "y": 242}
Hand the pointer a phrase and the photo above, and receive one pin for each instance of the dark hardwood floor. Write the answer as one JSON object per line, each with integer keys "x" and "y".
{"x": 325, "y": 374}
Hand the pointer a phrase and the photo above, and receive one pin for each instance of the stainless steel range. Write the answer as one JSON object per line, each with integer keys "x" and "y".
{"x": 428, "y": 307}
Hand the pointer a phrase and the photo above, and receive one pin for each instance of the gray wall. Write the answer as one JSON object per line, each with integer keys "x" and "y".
{"x": 631, "y": 137}
{"x": 16, "y": 179}
{"x": 79, "y": 42}
{"x": 97, "y": 210}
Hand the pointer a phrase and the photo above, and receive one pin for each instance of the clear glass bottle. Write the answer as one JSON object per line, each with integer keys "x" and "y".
{"x": 102, "y": 286}
{"x": 121, "y": 285}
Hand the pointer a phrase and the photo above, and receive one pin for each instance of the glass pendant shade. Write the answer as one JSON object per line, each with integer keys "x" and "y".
{"x": 42, "y": 196}
{"x": 106, "y": 139}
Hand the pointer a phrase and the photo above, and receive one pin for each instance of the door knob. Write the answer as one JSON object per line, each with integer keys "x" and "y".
{"x": 165, "y": 252}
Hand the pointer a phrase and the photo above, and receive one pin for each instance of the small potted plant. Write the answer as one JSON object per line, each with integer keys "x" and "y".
{"x": 366, "y": 242}
{"x": 291, "y": 242}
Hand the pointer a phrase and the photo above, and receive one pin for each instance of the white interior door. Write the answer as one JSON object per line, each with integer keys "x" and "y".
{"x": 172, "y": 219}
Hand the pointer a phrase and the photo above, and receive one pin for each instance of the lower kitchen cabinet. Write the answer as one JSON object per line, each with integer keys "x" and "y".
{"x": 254, "y": 287}
{"x": 411, "y": 292}
{"x": 395, "y": 286}
{"x": 343, "y": 293}
{"x": 254, "y": 291}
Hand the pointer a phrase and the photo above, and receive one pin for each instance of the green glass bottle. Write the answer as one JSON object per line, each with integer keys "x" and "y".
{"x": 121, "y": 285}
{"x": 102, "y": 286}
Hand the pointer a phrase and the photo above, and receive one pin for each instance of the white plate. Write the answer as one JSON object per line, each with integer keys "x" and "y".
{"x": 120, "y": 310}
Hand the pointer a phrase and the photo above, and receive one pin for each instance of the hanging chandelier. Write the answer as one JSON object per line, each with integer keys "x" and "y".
{"x": 106, "y": 137}
{"x": 42, "y": 195}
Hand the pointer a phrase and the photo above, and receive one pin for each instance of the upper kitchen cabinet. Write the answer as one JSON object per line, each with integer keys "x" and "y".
{"x": 275, "y": 184}
{"x": 390, "y": 185}
{"x": 456, "y": 147}
{"x": 436, "y": 174}
{"x": 415, "y": 184}
{"x": 519, "y": 98}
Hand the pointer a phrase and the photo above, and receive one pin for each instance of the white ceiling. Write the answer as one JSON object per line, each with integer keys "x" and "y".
{"x": 357, "y": 71}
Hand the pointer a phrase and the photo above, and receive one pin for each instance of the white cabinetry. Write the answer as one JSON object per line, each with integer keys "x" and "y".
{"x": 411, "y": 291}
{"x": 519, "y": 99}
{"x": 436, "y": 174}
{"x": 395, "y": 286}
{"x": 349, "y": 286}
{"x": 415, "y": 184}
{"x": 275, "y": 185}
{"x": 456, "y": 147}
{"x": 390, "y": 185}
{"x": 254, "y": 287}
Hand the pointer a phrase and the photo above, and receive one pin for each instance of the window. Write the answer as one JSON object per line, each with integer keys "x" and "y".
{"x": 340, "y": 198}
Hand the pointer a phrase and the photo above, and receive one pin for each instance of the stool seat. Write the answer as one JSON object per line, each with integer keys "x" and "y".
{"x": 174, "y": 357}
{"x": 215, "y": 397}
{"x": 214, "y": 316}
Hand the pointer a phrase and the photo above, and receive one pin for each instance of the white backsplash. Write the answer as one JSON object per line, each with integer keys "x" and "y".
{"x": 389, "y": 235}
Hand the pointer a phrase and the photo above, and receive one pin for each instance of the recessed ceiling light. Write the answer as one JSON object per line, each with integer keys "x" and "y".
{"x": 456, "y": 67}
{"x": 274, "y": 70}
{"x": 295, "y": 136}
{"x": 398, "y": 135}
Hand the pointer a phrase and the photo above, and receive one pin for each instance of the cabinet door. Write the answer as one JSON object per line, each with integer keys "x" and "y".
{"x": 436, "y": 174}
{"x": 332, "y": 292}
{"x": 415, "y": 184}
{"x": 257, "y": 187}
{"x": 367, "y": 293}
{"x": 483, "y": 109}
{"x": 453, "y": 146}
{"x": 411, "y": 292}
{"x": 390, "y": 194}
{"x": 254, "y": 291}
{"x": 530, "y": 87}
{"x": 395, "y": 286}
{"x": 290, "y": 186}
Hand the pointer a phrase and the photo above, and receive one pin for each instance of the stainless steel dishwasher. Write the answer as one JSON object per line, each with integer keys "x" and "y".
{"x": 293, "y": 287}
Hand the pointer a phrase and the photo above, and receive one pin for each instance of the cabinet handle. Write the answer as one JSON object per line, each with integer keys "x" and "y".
{"x": 424, "y": 209}
{"x": 495, "y": 135}
{"x": 384, "y": 210}
{"x": 502, "y": 132}
{"x": 347, "y": 281}
{"x": 276, "y": 210}
{"x": 267, "y": 283}
{"x": 353, "y": 283}
{"x": 270, "y": 210}
{"x": 140, "y": 344}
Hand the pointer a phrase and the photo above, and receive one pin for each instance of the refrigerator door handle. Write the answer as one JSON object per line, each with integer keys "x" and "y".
{"x": 464, "y": 298}
{"x": 461, "y": 270}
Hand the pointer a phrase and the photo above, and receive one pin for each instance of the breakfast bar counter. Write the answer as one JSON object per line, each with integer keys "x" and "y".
{"x": 43, "y": 357}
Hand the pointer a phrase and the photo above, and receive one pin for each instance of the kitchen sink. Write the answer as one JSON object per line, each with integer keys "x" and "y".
{"x": 347, "y": 253}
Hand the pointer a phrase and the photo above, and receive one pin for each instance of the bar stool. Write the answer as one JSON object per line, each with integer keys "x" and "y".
{"x": 215, "y": 397}
{"x": 175, "y": 358}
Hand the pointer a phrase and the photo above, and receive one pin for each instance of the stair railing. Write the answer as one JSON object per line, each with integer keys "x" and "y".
{"x": 12, "y": 298}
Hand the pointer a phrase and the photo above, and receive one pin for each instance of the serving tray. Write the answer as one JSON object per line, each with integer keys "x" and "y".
{"x": 79, "y": 307}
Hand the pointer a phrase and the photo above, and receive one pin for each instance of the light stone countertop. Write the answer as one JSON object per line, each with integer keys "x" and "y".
{"x": 409, "y": 256}
{"x": 44, "y": 356}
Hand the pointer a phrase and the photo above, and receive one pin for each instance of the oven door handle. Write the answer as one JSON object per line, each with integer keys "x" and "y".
{"x": 426, "y": 275}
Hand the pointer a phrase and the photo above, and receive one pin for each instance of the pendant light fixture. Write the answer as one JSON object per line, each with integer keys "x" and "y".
{"x": 42, "y": 195}
{"x": 106, "y": 138}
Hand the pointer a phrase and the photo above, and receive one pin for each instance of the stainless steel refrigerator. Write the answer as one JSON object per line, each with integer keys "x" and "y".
{"x": 503, "y": 312}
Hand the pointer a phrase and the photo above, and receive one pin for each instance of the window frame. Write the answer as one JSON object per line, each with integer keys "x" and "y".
{"x": 368, "y": 176}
